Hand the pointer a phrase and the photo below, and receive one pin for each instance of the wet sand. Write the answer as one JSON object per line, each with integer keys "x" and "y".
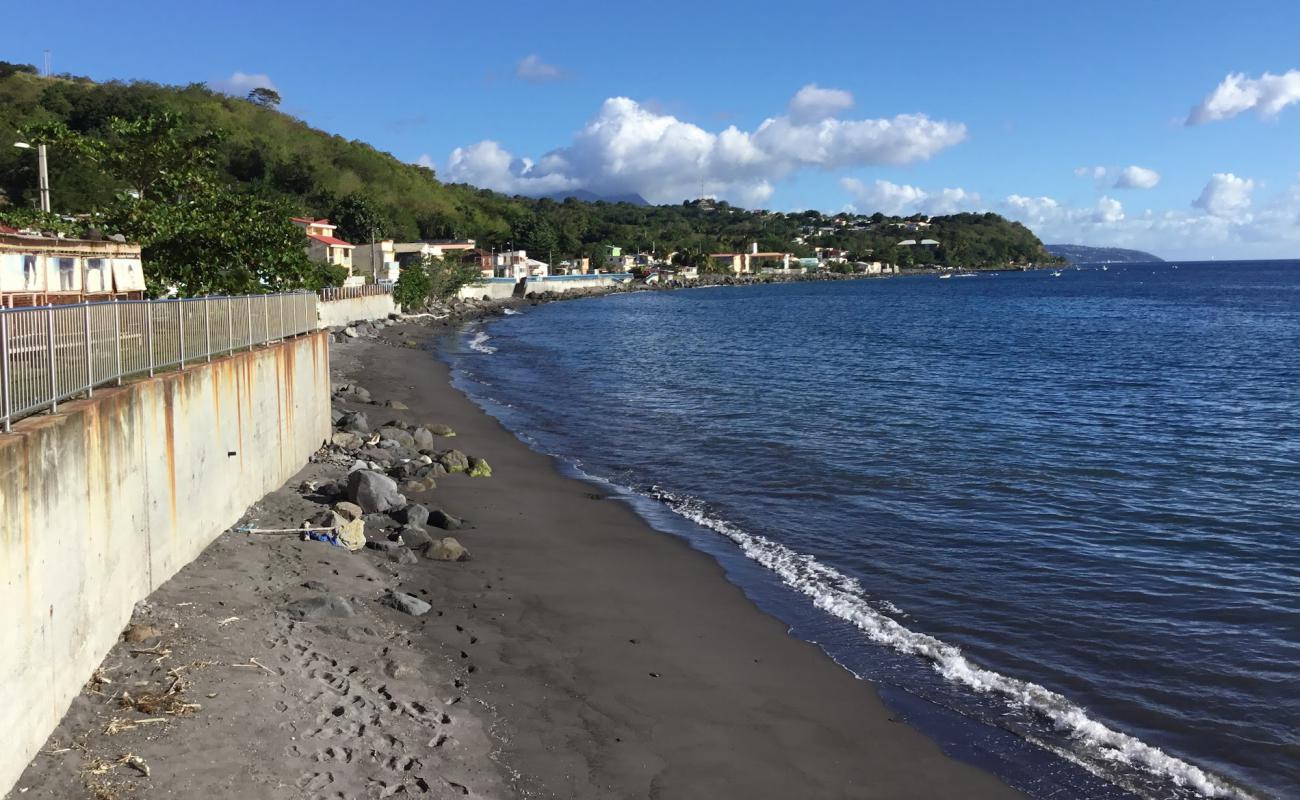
{"x": 580, "y": 654}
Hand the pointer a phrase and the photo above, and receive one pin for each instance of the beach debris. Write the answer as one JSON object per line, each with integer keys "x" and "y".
{"x": 448, "y": 549}
{"x": 154, "y": 703}
{"x": 134, "y": 762}
{"x": 453, "y": 461}
{"x": 478, "y": 468}
{"x": 98, "y": 679}
{"x": 221, "y": 623}
{"x": 406, "y": 603}
{"x": 139, "y": 632}
{"x": 320, "y": 605}
{"x": 117, "y": 725}
{"x": 445, "y": 521}
{"x": 254, "y": 663}
{"x": 158, "y": 652}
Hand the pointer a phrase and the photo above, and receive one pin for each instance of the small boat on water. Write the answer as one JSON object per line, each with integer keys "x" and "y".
{"x": 1056, "y": 273}
{"x": 945, "y": 275}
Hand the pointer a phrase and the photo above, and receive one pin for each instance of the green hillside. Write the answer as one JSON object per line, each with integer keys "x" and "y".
{"x": 262, "y": 153}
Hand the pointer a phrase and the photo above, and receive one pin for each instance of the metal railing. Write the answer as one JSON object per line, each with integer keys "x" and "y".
{"x": 350, "y": 292}
{"x": 53, "y": 353}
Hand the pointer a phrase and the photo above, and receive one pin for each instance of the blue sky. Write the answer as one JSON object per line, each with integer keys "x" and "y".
{"x": 1001, "y": 103}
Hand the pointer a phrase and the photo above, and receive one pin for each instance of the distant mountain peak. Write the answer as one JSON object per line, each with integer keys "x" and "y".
{"x": 591, "y": 197}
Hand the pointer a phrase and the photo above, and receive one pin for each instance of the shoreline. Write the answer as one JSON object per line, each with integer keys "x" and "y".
{"x": 662, "y": 637}
{"x": 580, "y": 653}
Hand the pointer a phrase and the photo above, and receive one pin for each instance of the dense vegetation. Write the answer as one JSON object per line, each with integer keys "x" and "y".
{"x": 278, "y": 164}
{"x": 1081, "y": 254}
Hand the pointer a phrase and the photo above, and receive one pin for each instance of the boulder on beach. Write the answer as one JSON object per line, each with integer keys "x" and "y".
{"x": 397, "y": 405}
{"x": 478, "y": 468}
{"x": 448, "y": 549}
{"x": 347, "y": 440}
{"x": 406, "y": 603}
{"x": 412, "y": 514}
{"x": 374, "y": 491}
{"x": 315, "y": 607}
{"x": 355, "y": 421}
{"x": 418, "y": 539}
{"x": 394, "y": 434}
{"x": 348, "y": 511}
{"x": 351, "y": 533}
{"x": 440, "y": 430}
{"x": 422, "y": 437}
{"x": 443, "y": 520}
{"x": 454, "y": 461}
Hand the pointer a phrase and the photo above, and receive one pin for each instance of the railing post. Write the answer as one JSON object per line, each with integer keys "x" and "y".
{"x": 90, "y": 354}
{"x": 117, "y": 338}
{"x": 266, "y": 317}
{"x": 180, "y": 328}
{"x": 248, "y": 305}
{"x": 207, "y": 325}
{"x": 148, "y": 318}
{"x": 49, "y": 341}
{"x": 282, "y": 330}
{"x": 230, "y": 326}
{"x": 4, "y": 369}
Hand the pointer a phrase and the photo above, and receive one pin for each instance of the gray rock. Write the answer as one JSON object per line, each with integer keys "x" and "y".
{"x": 347, "y": 440}
{"x": 397, "y": 435}
{"x": 454, "y": 461}
{"x": 418, "y": 539}
{"x": 351, "y": 332}
{"x": 413, "y": 514}
{"x": 383, "y": 546}
{"x": 440, "y": 430}
{"x": 336, "y": 414}
{"x": 326, "y": 605}
{"x": 358, "y": 464}
{"x": 407, "y": 603}
{"x": 374, "y": 491}
{"x": 445, "y": 521}
{"x": 422, "y": 439}
{"x": 448, "y": 549}
{"x": 402, "y": 555}
{"x": 355, "y": 422}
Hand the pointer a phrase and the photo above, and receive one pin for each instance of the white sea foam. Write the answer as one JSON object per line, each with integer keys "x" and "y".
{"x": 509, "y": 312}
{"x": 479, "y": 343}
{"x": 843, "y": 597}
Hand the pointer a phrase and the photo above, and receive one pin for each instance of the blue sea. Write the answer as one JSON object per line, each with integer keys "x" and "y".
{"x": 1056, "y": 519}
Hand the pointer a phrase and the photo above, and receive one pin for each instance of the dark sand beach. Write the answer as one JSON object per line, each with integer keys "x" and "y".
{"x": 579, "y": 654}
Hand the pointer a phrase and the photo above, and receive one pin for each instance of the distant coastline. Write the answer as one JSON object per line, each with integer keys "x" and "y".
{"x": 1083, "y": 254}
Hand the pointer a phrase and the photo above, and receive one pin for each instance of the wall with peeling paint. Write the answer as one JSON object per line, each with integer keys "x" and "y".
{"x": 334, "y": 313}
{"x": 104, "y": 501}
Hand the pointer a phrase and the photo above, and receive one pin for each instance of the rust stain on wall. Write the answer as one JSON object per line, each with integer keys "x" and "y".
{"x": 169, "y": 421}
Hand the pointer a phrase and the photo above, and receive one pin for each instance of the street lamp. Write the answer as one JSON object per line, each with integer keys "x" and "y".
{"x": 42, "y": 173}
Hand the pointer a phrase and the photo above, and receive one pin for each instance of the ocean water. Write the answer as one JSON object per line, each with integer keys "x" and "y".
{"x": 1055, "y": 519}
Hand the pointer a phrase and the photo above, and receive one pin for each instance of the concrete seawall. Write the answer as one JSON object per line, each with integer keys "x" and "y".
{"x": 105, "y": 500}
{"x": 334, "y": 313}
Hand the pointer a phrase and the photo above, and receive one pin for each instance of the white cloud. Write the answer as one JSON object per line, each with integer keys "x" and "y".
{"x": 240, "y": 84}
{"x": 1267, "y": 95}
{"x": 902, "y": 200}
{"x": 627, "y": 147}
{"x": 533, "y": 68}
{"x": 813, "y": 103}
{"x": 1136, "y": 177}
{"x": 425, "y": 160}
{"x": 1226, "y": 196}
{"x": 1223, "y": 222}
{"x": 1096, "y": 173}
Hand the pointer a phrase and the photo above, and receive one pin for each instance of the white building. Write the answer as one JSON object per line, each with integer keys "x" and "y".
{"x": 382, "y": 261}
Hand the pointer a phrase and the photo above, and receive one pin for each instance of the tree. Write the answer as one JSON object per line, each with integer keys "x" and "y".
{"x": 358, "y": 219}
{"x": 265, "y": 97}
{"x": 413, "y": 286}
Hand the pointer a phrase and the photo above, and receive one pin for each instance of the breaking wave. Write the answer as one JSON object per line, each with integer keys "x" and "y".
{"x": 479, "y": 343}
{"x": 1089, "y": 743}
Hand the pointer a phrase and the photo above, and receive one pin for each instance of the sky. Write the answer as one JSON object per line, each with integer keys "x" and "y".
{"x": 1172, "y": 127}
